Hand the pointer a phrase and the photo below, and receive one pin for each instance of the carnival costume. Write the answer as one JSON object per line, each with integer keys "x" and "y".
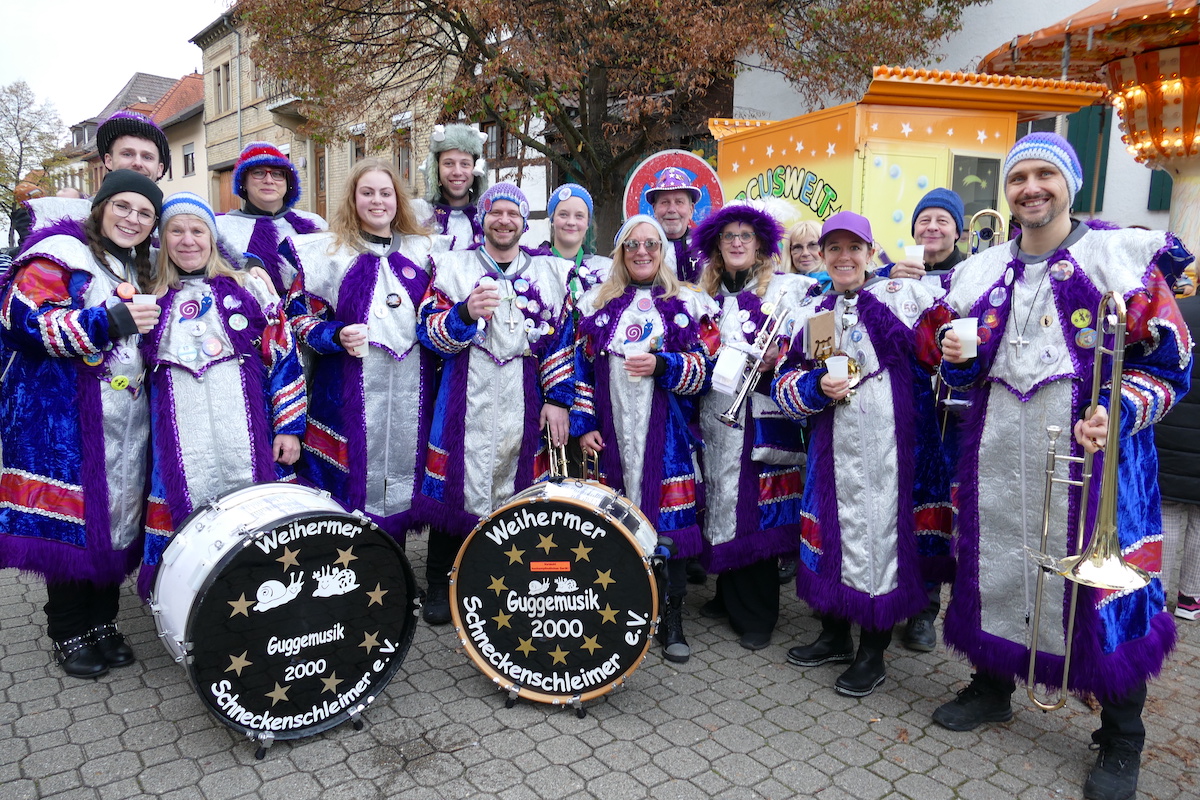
{"x": 253, "y": 233}
{"x": 876, "y": 500}
{"x": 368, "y": 417}
{"x": 497, "y": 374}
{"x": 1037, "y": 343}
{"x": 459, "y": 222}
{"x": 225, "y": 379}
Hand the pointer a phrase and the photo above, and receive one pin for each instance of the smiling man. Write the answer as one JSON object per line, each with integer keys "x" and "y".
{"x": 674, "y": 198}
{"x": 455, "y": 177}
{"x": 1037, "y": 300}
{"x": 500, "y": 319}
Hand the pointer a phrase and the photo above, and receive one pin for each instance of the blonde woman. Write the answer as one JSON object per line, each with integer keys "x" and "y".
{"x": 803, "y": 253}
{"x": 227, "y": 400}
{"x": 645, "y": 350}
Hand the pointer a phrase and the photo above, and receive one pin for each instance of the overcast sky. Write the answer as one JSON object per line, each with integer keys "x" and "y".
{"x": 79, "y": 53}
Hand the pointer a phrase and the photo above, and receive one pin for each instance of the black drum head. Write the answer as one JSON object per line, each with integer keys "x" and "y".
{"x": 553, "y": 599}
{"x": 301, "y": 625}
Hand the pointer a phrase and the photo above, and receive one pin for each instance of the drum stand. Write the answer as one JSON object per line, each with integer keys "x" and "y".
{"x": 265, "y": 738}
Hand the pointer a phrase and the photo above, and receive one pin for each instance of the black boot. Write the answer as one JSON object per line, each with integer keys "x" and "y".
{"x": 112, "y": 645}
{"x": 834, "y": 644}
{"x": 868, "y": 669}
{"x": 436, "y": 610}
{"x": 920, "y": 634}
{"x": 670, "y": 633}
{"x": 1115, "y": 773}
{"x": 80, "y": 657}
{"x": 985, "y": 699}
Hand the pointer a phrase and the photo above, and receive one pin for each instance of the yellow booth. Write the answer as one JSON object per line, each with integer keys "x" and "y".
{"x": 914, "y": 130}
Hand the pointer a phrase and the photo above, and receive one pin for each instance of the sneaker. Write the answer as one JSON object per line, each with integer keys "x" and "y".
{"x": 974, "y": 706}
{"x": 1115, "y": 774}
{"x": 919, "y": 634}
{"x": 1187, "y": 607}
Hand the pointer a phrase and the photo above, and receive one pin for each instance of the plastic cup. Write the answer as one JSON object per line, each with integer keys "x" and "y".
{"x": 967, "y": 331}
{"x": 839, "y": 367}
{"x": 633, "y": 349}
{"x": 144, "y": 300}
{"x": 915, "y": 252}
{"x": 361, "y": 350}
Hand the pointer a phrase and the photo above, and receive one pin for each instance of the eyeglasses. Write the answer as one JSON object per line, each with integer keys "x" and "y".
{"x": 744, "y": 236}
{"x": 123, "y": 209}
{"x": 632, "y": 245}
{"x": 260, "y": 173}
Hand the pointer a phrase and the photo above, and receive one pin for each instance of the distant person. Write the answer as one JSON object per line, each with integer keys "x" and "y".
{"x": 269, "y": 186}
{"x": 673, "y": 198}
{"x": 937, "y": 224}
{"x": 455, "y": 178}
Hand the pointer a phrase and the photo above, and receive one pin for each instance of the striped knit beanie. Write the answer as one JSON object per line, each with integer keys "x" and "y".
{"x": 264, "y": 154}
{"x": 1052, "y": 148}
{"x": 187, "y": 203}
{"x": 503, "y": 191}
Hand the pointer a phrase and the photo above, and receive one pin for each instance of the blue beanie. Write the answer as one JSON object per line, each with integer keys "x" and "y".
{"x": 568, "y": 190}
{"x": 946, "y": 200}
{"x": 503, "y": 191}
{"x": 188, "y": 203}
{"x": 1048, "y": 147}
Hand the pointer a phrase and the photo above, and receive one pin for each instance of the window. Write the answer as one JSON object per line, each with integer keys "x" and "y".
{"x": 222, "y": 91}
{"x": 1161, "y": 184}
{"x": 1088, "y": 131}
{"x": 977, "y": 182}
{"x": 256, "y": 82}
{"x": 189, "y": 159}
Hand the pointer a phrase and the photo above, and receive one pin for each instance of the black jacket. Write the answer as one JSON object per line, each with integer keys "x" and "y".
{"x": 1177, "y": 436}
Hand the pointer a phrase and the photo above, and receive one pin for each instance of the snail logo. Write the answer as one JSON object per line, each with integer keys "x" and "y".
{"x": 273, "y": 594}
{"x": 564, "y": 585}
{"x": 539, "y": 587}
{"x": 332, "y": 581}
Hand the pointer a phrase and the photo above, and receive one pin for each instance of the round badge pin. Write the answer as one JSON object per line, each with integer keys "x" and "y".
{"x": 1086, "y": 338}
{"x": 212, "y": 347}
{"x": 743, "y": 315}
{"x": 521, "y": 285}
{"x": 1047, "y": 321}
{"x": 991, "y": 318}
{"x": 893, "y": 286}
{"x": 187, "y": 353}
{"x": 521, "y": 302}
{"x": 747, "y": 327}
{"x": 530, "y": 324}
{"x": 645, "y": 304}
{"x": 1048, "y": 355}
{"x": 997, "y": 296}
{"x": 806, "y": 301}
{"x": 409, "y": 273}
{"x": 1008, "y": 276}
{"x": 393, "y": 300}
{"x": 547, "y": 329}
{"x": 768, "y": 309}
{"x": 125, "y": 291}
{"x": 1081, "y": 318}
{"x": 120, "y": 383}
{"x": 533, "y": 306}
{"x": 196, "y": 328}
{"x": 856, "y": 335}
{"x": 1062, "y": 270}
{"x": 379, "y": 310}
{"x": 230, "y": 302}
{"x": 238, "y": 322}
{"x": 486, "y": 280}
{"x": 93, "y": 359}
{"x": 681, "y": 320}
{"x": 984, "y": 334}
{"x": 124, "y": 355}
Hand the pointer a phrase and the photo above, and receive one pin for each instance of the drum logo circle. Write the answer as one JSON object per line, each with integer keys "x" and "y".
{"x": 303, "y": 626}
{"x": 554, "y": 600}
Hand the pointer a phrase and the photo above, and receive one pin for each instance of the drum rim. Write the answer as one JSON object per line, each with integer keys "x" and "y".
{"x": 503, "y": 681}
{"x": 407, "y": 634}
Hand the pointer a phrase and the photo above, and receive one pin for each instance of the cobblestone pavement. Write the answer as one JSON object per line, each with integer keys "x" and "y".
{"x": 729, "y": 724}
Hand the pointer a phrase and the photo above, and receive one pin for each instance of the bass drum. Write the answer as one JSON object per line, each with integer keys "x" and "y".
{"x": 289, "y": 614}
{"x": 553, "y": 595}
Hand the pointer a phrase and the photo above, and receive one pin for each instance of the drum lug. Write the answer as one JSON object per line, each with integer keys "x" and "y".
{"x": 265, "y": 740}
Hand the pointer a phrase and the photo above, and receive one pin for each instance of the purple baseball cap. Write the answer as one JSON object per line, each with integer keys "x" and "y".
{"x": 850, "y": 222}
{"x": 672, "y": 179}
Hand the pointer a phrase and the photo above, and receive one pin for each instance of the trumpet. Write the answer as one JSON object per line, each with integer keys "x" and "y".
{"x": 750, "y": 375}
{"x": 983, "y": 235}
{"x": 1101, "y": 564}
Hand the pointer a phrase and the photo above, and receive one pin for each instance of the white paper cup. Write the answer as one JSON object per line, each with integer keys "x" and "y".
{"x": 915, "y": 252}
{"x": 360, "y": 351}
{"x": 967, "y": 331}
{"x": 144, "y": 300}
{"x": 839, "y": 367}
{"x": 633, "y": 349}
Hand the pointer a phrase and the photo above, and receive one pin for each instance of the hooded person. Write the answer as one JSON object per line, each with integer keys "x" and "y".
{"x": 455, "y": 179}
{"x": 74, "y": 416}
{"x": 1038, "y": 305}
{"x": 499, "y": 317}
{"x": 269, "y": 185}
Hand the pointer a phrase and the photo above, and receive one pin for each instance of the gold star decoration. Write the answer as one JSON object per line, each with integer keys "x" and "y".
{"x": 604, "y": 578}
{"x": 345, "y": 556}
{"x": 370, "y": 641}
{"x": 526, "y": 647}
{"x": 515, "y": 555}
{"x": 331, "y": 683}
{"x": 279, "y": 695}
{"x": 590, "y": 644}
{"x": 238, "y": 663}
{"x": 288, "y": 557}
{"x": 559, "y": 655}
{"x": 609, "y": 614}
{"x": 546, "y": 543}
{"x": 240, "y": 606}
{"x": 377, "y": 595}
{"x": 497, "y": 585}
{"x": 581, "y": 552}
{"x": 501, "y": 620}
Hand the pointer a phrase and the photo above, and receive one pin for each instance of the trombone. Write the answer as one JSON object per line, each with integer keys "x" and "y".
{"x": 1101, "y": 565}
{"x": 984, "y": 235}
{"x": 750, "y": 376}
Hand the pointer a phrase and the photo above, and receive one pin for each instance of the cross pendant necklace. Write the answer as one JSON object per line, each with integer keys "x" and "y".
{"x": 512, "y": 316}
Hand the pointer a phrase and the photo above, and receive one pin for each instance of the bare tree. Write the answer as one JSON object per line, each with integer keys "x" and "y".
{"x": 29, "y": 136}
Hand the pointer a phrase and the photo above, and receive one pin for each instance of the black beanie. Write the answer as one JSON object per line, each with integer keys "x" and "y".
{"x": 126, "y": 180}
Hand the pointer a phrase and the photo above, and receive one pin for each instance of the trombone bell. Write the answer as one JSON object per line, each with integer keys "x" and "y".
{"x": 987, "y": 229}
